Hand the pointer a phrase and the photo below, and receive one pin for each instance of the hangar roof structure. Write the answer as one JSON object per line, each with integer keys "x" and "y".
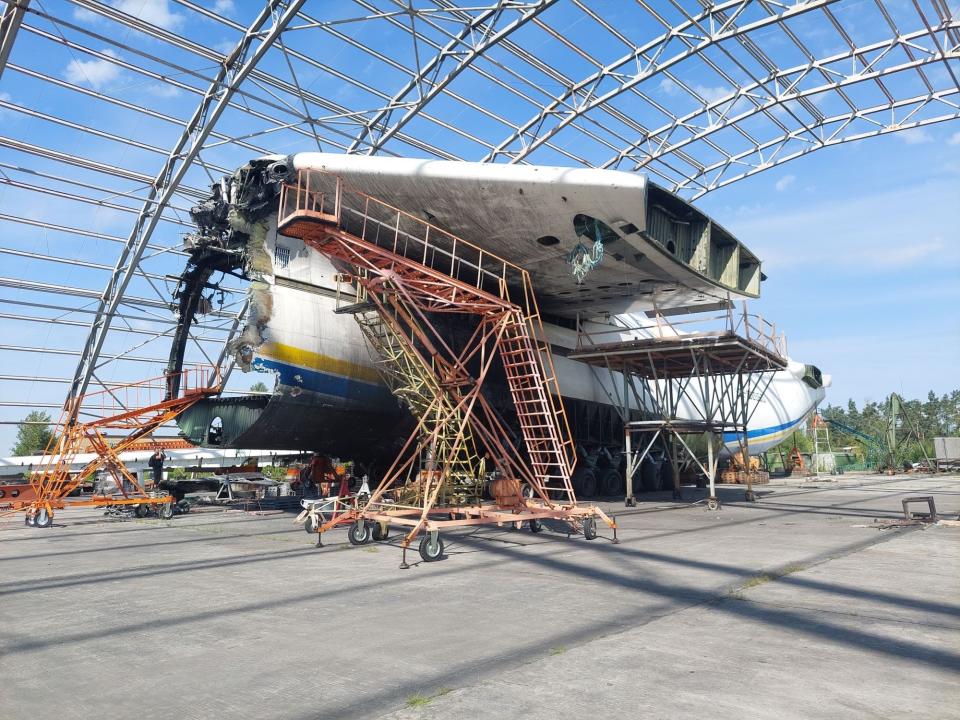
{"x": 117, "y": 117}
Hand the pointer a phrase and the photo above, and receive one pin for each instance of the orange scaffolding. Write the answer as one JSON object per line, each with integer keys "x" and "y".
{"x": 136, "y": 409}
{"x": 412, "y": 272}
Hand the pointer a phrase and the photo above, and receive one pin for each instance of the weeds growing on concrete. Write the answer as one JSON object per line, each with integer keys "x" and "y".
{"x": 762, "y": 578}
{"x": 558, "y": 650}
{"x": 418, "y": 700}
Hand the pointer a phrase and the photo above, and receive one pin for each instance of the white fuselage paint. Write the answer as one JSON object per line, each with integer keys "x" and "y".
{"x": 312, "y": 349}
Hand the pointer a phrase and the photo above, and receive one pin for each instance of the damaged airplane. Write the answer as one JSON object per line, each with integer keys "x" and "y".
{"x": 637, "y": 245}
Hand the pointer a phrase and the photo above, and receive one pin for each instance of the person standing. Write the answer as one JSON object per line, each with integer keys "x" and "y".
{"x": 156, "y": 464}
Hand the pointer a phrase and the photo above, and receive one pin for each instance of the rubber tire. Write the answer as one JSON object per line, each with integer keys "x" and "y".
{"x": 184, "y": 507}
{"x": 359, "y": 533}
{"x": 29, "y": 520}
{"x": 666, "y": 475}
{"x": 311, "y": 524}
{"x": 650, "y": 475}
{"x": 611, "y": 483}
{"x": 431, "y": 553}
{"x": 713, "y": 504}
{"x": 165, "y": 511}
{"x": 584, "y": 482}
{"x": 43, "y": 518}
{"x": 535, "y": 526}
{"x": 141, "y": 511}
{"x": 590, "y": 528}
{"x": 380, "y": 532}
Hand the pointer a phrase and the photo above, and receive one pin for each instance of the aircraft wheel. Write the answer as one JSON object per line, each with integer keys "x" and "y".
{"x": 431, "y": 547}
{"x": 584, "y": 482}
{"x": 165, "y": 511}
{"x": 43, "y": 518}
{"x": 381, "y": 531}
{"x": 590, "y": 528}
{"x": 611, "y": 482}
{"x": 311, "y": 524}
{"x": 536, "y": 526}
{"x": 359, "y": 533}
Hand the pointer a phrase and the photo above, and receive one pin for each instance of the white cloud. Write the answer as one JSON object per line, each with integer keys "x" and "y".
{"x": 669, "y": 86}
{"x": 155, "y": 12}
{"x": 914, "y": 136}
{"x": 711, "y": 94}
{"x": 224, "y": 46}
{"x": 84, "y": 15}
{"x": 224, "y": 7}
{"x": 869, "y": 234}
{"x": 954, "y": 139}
{"x": 785, "y": 182}
{"x": 163, "y": 90}
{"x": 96, "y": 73}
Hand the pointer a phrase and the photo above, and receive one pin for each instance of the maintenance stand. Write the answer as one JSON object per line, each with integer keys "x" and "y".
{"x": 676, "y": 384}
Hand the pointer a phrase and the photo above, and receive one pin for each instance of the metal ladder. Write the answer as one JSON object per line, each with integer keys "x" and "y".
{"x": 537, "y": 413}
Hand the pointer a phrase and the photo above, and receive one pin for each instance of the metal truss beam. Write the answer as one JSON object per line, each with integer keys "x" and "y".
{"x": 230, "y": 75}
{"x": 9, "y": 26}
{"x": 426, "y": 74}
{"x": 637, "y": 67}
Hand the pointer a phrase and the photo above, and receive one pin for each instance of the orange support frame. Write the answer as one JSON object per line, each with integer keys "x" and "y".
{"x": 410, "y": 271}
{"x": 136, "y": 408}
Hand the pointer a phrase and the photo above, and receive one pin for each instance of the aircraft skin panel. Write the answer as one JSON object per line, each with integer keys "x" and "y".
{"x": 327, "y": 395}
{"x": 508, "y": 209}
{"x": 321, "y": 361}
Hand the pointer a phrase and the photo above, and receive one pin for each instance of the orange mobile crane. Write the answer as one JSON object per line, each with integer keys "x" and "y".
{"x": 136, "y": 409}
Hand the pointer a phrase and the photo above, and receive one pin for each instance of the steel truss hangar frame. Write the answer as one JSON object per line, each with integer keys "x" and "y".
{"x": 117, "y": 115}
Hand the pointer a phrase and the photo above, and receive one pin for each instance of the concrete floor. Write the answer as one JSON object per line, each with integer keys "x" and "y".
{"x": 795, "y": 606}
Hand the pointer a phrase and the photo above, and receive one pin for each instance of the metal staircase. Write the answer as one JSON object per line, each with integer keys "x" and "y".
{"x": 529, "y": 383}
{"x": 408, "y": 275}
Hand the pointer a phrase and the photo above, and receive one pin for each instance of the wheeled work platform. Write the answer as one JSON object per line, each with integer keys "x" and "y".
{"x": 135, "y": 408}
{"x": 407, "y": 275}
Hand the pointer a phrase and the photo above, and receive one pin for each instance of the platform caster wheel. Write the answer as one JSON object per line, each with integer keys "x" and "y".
{"x": 29, "y": 520}
{"x": 535, "y": 526}
{"x": 590, "y": 528}
{"x": 630, "y": 502}
{"x": 183, "y": 506}
{"x": 359, "y": 533}
{"x": 43, "y": 518}
{"x": 750, "y": 496}
{"x": 165, "y": 511}
{"x": 713, "y": 504}
{"x": 311, "y": 524}
{"x": 141, "y": 511}
{"x": 431, "y": 547}
{"x": 381, "y": 531}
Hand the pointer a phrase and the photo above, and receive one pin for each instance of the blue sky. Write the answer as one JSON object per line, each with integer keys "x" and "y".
{"x": 860, "y": 241}
{"x": 862, "y": 249}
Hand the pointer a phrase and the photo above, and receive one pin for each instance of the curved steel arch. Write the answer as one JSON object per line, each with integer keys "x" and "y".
{"x": 233, "y": 72}
{"x": 582, "y": 93}
{"x": 571, "y": 87}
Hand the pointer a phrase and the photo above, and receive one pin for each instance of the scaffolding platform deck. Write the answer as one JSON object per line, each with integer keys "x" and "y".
{"x": 659, "y": 358}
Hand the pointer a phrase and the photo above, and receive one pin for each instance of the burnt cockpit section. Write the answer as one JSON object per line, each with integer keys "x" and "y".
{"x": 229, "y": 242}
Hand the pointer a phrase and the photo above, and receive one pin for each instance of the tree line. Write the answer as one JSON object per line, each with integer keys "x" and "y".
{"x": 937, "y": 416}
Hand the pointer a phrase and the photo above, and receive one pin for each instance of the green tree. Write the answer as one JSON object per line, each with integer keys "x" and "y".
{"x": 258, "y": 387}
{"x": 34, "y": 434}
